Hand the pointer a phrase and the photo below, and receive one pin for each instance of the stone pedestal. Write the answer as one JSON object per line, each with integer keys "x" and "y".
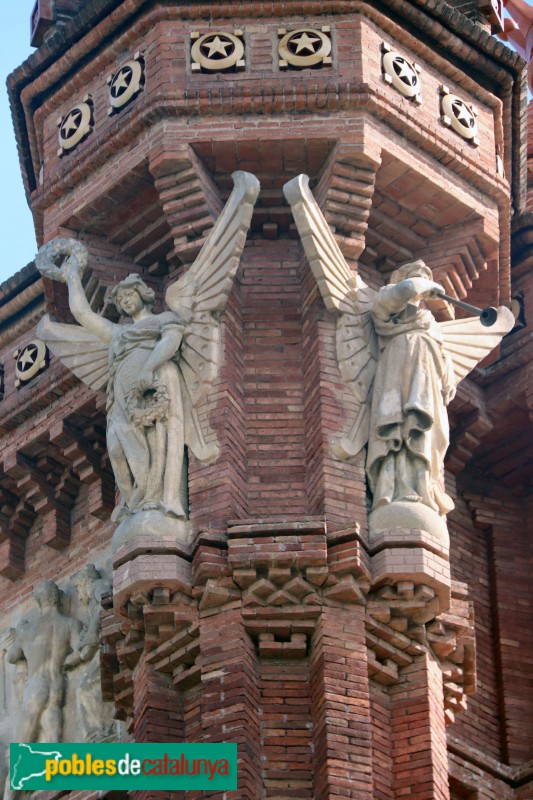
{"x": 153, "y": 530}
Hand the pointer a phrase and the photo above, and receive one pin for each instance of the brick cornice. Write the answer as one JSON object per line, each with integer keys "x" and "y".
{"x": 214, "y": 102}
{"x": 72, "y": 45}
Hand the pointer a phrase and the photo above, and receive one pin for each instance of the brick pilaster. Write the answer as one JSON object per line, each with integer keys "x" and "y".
{"x": 341, "y": 710}
{"x": 419, "y": 754}
{"x": 505, "y": 521}
{"x": 229, "y": 698}
{"x": 157, "y": 713}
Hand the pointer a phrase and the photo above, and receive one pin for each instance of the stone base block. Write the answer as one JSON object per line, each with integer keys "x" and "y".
{"x": 150, "y": 551}
{"x": 410, "y": 542}
{"x": 409, "y": 516}
{"x": 410, "y": 537}
{"x": 150, "y": 532}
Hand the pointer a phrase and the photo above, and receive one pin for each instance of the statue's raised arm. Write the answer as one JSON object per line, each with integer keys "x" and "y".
{"x": 74, "y": 259}
{"x": 158, "y": 369}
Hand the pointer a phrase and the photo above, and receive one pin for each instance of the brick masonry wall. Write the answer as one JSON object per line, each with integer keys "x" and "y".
{"x": 511, "y": 556}
{"x": 273, "y": 380}
{"x": 286, "y": 733}
{"x": 470, "y": 562}
{"x": 381, "y": 742}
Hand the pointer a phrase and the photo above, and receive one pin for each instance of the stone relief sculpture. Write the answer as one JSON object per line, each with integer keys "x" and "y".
{"x": 93, "y": 719}
{"x": 4, "y": 768}
{"x": 44, "y": 642}
{"x": 51, "y": 671}
{"x": 158, "y": 369}
{"x": 402, "y": 367}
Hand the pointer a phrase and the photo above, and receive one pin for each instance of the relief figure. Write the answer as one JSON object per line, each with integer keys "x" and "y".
{"x": 45, "y": 642}
{"x": 93, "y": 718}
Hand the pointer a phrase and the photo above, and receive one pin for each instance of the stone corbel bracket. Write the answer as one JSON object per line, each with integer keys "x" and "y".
{"x": 279, "y": 569}
{"x": 345, "y": 192}
{"x": 287, "y": 573}
{"x": 152, "y": 619}
{"x": 189, "y": 198}
{"x": 395, "y": 635}
{"x": 281, "y": 578}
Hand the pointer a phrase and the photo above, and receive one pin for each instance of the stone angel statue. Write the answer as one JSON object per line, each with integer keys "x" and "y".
{"x": 402, "y": 367}
{"x": 159, "y": 368}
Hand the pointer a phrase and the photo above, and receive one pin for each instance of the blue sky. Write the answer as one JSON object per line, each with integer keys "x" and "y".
{"x": 17, "y": 236}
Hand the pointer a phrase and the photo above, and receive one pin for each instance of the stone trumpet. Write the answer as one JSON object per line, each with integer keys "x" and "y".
{"x": 487, "y": 316}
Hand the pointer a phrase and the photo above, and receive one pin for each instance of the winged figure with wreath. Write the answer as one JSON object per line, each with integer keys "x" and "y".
{"x": 402, "y": 367}
{"x": 158, "y": 369}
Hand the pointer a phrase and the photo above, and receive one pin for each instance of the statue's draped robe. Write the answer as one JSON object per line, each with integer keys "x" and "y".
{"x": 153, "y": 452}
{"x": 409, "y": 431}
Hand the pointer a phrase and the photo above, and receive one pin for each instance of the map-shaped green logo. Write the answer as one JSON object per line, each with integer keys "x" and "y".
{"x": 69, "y": 766}
{"x": 28, "y": 763}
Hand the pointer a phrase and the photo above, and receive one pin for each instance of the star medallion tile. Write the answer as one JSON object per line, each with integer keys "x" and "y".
{"x": 304, "y": 48}
{"x": 126, "y": 83}
{"x": 400, "y": 73}
{"x": 217, "y": 51}
{"x": 459, "y": 115}
{"x": 75, "y": 126}
{"x": 30, "y": 360}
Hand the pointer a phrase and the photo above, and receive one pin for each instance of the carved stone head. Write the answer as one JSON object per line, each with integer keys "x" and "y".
{"x": 413, "y": 269}
{"x": 132, "y": 283}
{"x": 47, "y": 594}
{"x": 84, "y": 581}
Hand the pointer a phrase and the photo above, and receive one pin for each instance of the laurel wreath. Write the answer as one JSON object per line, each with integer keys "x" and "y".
{"x": 146, "y": 406}
{"x": 51, "y": 257}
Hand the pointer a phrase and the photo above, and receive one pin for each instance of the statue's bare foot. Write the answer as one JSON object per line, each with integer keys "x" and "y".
{"x": 170, "y": 511}
{"x": 383, "y": 501}
{"x": 412, "y": 498}
{"x": 120, "y": 512}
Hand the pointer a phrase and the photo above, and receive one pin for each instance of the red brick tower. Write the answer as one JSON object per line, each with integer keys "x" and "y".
{"x": 337, "y": 663}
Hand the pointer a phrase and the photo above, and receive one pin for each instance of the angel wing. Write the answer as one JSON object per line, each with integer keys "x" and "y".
{"x": 467, "y": 341}
{"x": 348, "y": 296}
{"x": 205, "y": 287}
{"x": 82, "y": 352}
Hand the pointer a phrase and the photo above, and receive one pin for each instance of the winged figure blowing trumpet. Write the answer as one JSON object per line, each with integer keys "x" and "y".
{"x": 401, "y": 365}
